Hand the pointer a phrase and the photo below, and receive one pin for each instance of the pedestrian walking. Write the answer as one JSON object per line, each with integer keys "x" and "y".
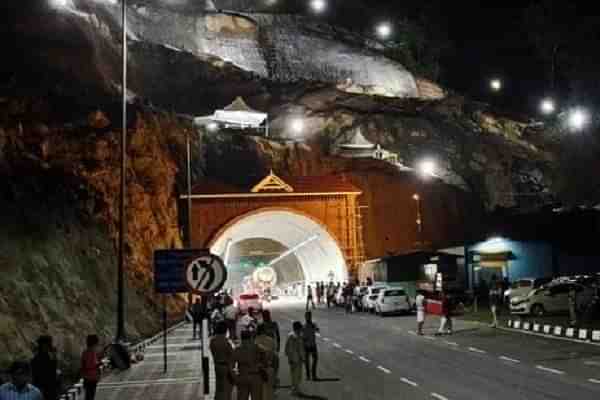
{"x": 222, "y": 353}
{"x": 309, "y": 298}
{"x": 217, "y": 317}
{"x": 330, "y": 294}
{"x": 248, "y": 322}
{"x": 572, "y": 297}
{"x": 250, "y": 362}
{"x": 197, "y": 318}
{"x": 294, "y": 350}
{"x": 318, "y": 292}
{"x": 231, "y": 314}
{"x": 267, "y": 344}
{"x": 309, "y": 336}
{"x": 420, "y": 304}
{"x": 445, "y": 320}
{"x": 44, "y": 368}
{"x": 89, "y": 367}
{"x": 495, "y": 297}
{"x": 272, "y": 329}
{"x": 19, "y": 387}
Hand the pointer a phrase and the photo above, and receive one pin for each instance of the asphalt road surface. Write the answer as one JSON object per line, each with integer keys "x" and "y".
{"x": 383, "y": 358}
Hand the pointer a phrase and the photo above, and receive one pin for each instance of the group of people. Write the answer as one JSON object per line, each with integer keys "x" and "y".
{"x": 40, "y": 378}
{"x": 253, "y": 365}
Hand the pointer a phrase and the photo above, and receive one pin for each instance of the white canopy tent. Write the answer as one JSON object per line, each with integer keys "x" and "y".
{"x": 237, "y": 115}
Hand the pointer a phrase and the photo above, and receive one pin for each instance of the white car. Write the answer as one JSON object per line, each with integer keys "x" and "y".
{"x": 249, "y": 300}
{"x": 393, "y": 300}
{"x": 553, "y": 298}
{"x": 523, "y": 286}
{"x": 368, "y": 300}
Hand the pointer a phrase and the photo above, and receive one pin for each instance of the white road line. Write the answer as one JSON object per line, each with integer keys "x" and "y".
{"x": 337, "y": 345}
{"x": 438, "y": 396}
{"x": 509, "y": 359}
{"x": 349, "y": 351}
{"x": 326, "y": 339}
{"x": 318, "y": 334}
{"x": 476, "y": 350}
{"x": 552, "y": 370}
{"x": 387, "y": 371}
{"x": 594, "y": 380}
{"x": 413, "y": 333}
{"x": 409, "y": 382}
{"x": 429, "y": 337}
{"x": 364, "y": 359}
{"x": 451, "y": 343}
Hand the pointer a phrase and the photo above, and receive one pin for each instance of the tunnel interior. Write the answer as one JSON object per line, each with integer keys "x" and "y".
{"x": 298, "y": 248}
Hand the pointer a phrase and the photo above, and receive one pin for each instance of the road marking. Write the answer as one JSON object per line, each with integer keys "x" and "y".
{"x": 594, "y": 380}
{"x": 451, "y": 343}
{"x": 552, "y": 370}
{"x": 326, "y": 339}
{"x": 476, "y": 350}
{"x": 409, "y": 382}
{"x": 429, "y": 337}
{"x": 387, "y": 371}
{"x": 438, "y": 396}
{"x": 594, "y": 363}
{"x": 509, "y": 359}
{"x": 349, "y": 351}
{"x": 364, "y": 359}
{"x": 337, "y": 345}
{"x": 413, "y": 333}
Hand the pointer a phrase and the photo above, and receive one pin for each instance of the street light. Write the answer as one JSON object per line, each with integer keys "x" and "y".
{"x": 59, "y": 3}
{"x": 212, "y": 126}
{"x": 297, "y": 125}
{"x": 426, "y": 168}
{"x": 496, "y": 84}
{"x": 417, "y": 198}
{"x": 384, "y": 30}
{"x": 578, "y": 119}
{"x": 547, "y": 106}
{"x": 318, "y": 6}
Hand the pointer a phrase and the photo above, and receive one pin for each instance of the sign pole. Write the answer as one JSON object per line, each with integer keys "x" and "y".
{"x": 165, "y": 333}
{"x": 205, "y": 368}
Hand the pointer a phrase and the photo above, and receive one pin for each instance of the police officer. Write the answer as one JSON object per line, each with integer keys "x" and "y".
{"x": 268, "y": 346}
{"x": 250, "y": 361}
{"x": 222, "y": 353}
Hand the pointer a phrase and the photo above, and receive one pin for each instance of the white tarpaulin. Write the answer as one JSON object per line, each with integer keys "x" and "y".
{"x": 236, "y": 115}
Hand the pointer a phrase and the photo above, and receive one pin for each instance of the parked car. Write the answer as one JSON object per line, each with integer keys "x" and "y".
{"x": 393, "y": 300}
{"x": 359, "y": 293}
{"x": 247, "y": 300}
{"x": 522, "y": 287}
{"x": 552, "y": 298}
{"x": 368, "y": 303}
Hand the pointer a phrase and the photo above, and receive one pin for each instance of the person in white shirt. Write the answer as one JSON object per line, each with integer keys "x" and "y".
{"x": 231, "y": 314}
{"x": 420, "y": 304}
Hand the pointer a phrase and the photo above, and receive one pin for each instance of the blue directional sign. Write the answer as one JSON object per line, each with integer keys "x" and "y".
{"x": 170, "y": 269}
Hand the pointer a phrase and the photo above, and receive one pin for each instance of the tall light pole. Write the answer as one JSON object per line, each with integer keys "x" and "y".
{"x": 417, "y": 198}
{"x": 426, "y": 169}
{"x": 121, "y": 335}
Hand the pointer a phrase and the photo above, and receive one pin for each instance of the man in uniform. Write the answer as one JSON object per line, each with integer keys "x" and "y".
{"x": 268, "y": 346}
{"x": 250, "y": 361}
{"x": 222, "y": 353}
{"x": 294, "y": 350}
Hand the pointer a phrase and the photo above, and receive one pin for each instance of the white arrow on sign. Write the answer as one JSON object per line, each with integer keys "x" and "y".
{"x": 205, "y": 274}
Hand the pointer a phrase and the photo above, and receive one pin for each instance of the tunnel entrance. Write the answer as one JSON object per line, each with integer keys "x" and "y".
{"x": 296, "y": 247}
{"x": 303, "y": 229}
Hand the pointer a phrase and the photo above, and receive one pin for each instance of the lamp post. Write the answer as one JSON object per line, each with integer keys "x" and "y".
{"x": 121, "y": 335}
{"x": 417, "y": 199}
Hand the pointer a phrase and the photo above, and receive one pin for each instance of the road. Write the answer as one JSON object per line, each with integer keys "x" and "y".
{"x": 383, "y": 358}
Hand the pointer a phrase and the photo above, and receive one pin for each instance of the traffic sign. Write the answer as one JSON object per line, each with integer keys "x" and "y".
{"x": 205, "y": 274}
{"x": 169, "y": 269}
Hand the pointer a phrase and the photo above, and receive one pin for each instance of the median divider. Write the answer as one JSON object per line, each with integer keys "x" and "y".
{"x": 580, "y": 334}
{"x": 137, "y": 350}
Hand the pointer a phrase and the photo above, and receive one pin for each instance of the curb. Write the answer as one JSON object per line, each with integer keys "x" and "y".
{"x": 76, "y": 391}
{"x": 578, "y": 335}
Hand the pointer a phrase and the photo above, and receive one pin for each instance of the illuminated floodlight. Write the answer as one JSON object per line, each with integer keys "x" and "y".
{"x": 427, "y": 168}
{"x": 578, "y": 119}
{"x": 59, "y": 3}
{"x": 297, "y": 125}
{"x": 212, "y": 126}
{"x": 416, "y": 197}
{"x": 318, "y": 6}
{"x": 384, "y": 30}
{"x": 496, "y": 84}
{"x": 547, "y": 106}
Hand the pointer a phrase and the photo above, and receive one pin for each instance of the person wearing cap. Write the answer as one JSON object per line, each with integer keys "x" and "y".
{"x": 19, "y": 387}
{"x": 44, "y": 367}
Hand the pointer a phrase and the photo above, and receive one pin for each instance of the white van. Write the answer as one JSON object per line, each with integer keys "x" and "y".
{"x": 393, "y": 300}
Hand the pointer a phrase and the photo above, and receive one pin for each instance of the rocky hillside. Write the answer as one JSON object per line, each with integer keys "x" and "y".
{"x": 59, "y": 124}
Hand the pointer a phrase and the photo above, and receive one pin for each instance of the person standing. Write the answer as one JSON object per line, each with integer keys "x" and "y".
{"x": 197, "y": 318}
{"x": 231, "y": 314}
{"x": 572, "y": 296}
{"x": 44, "y": 367}
{"x": 294, "y": 350}
{"x": 309, "y": 336}
{"x": 19, "y": 387}
{"x": 267, "y": 344}
{"x": 445, "y": 320}
{"x": 272, "y": 329}
{"x": 309, "y": 298}
{"x": 89, "y": 367}
{"x": 222, "y": 353}
{"x": 250, "y": 361}
{"x": 495, "y": 301}
{"x": 420, "y": 304}
{"x": 330, "y": 290}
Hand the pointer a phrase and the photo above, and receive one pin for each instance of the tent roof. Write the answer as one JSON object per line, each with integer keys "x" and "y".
{"x": 358, "y": 141}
